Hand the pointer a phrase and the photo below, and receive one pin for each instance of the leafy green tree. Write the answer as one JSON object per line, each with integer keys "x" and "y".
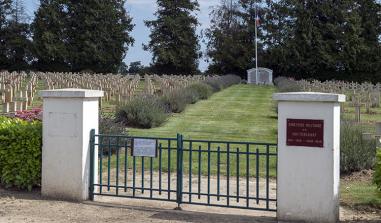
{"x": 369, "y": 60}
{"x": 87, "y": 35}
{"x": 231, "y": 36}
{"x": 321, "y": 39}
{"x": 16, "y": 38}
{"x": 174, "y": 42}
{"x": 99, "y": 36}
{"x": 50, "y": 36}
{"x": 225, "y": 50}
{"x": 5, "y": 10}
{"x": 123, "y": 68}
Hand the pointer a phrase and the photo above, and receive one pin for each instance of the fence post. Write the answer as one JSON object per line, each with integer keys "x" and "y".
{"x": 308, "y": 157}
{"x": 69, "y": 116}
{"x": 179, "y": 168}
{"x": 92, "y": 160}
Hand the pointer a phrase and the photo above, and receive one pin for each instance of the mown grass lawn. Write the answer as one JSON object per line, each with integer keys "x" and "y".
{"x": 239, "y": 113}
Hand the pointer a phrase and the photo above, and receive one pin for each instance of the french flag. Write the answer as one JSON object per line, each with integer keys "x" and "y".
{"x": 257, "y": 21}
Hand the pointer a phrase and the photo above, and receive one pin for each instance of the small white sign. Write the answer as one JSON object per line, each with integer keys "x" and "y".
{"x": 144, "y": 147}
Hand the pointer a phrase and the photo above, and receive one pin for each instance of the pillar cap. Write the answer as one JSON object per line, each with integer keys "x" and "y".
{"x": 309, "y": 97}
{"x": 71, "y": 93}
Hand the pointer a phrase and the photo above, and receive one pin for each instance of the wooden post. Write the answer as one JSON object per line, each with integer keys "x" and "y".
{"x": 357, "y": 113}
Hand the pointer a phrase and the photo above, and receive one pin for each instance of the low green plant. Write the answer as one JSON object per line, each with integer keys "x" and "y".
{"x": 20, "y": 153}
{"x": 357, "y": 153}
{"x": 203, "y": 90}
{"x": 176, "y": 101}
{"x": 285, "y": 84}
{"x": 219, "y": 83}
{"x": 377, "y": 170}
{"x": 145, "y": 111}
{"x": 109, "y": 125}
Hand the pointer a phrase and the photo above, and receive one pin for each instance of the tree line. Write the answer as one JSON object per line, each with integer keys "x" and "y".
{"x": 321, "y": 39}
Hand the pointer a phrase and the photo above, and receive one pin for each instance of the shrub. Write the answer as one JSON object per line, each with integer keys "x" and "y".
{"x": 176, "y": 101}
{"x": 203, "y": 90}
{"x": 377, "y": 172}
{"x": 356, "y": 153}
{"x": 29, "y": 115}
{"x": 20, "y": 153}
{"x": 285, "y": 84}
{"x": 110, "y": 126}
{"x": 219, "y": 83}
{"x": 144, "y": 111}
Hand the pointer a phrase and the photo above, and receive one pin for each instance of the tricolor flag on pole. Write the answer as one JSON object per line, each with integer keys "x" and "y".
{"x": 258, "y": 20}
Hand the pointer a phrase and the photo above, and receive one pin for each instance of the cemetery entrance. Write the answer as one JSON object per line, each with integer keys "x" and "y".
{"x": 184, "y": 171}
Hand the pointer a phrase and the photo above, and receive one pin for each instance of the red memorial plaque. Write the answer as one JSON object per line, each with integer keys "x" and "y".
{"x": 305, "y": 132}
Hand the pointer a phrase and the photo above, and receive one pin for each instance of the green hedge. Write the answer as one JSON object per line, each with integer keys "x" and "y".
{"x": 20, "y": 153}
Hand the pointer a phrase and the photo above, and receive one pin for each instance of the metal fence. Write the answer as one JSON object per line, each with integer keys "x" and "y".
{"x": 185, "y": 171}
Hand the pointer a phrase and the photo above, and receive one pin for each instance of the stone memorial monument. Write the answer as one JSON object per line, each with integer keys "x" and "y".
{"x": 263, "y": 76}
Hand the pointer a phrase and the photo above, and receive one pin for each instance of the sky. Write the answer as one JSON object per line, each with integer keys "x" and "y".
{"x": 141, "y": 10}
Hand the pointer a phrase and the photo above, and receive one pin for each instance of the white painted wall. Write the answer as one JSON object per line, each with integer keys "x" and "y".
{"x": 68, "y": 117}
{"x": 308, "y": 177}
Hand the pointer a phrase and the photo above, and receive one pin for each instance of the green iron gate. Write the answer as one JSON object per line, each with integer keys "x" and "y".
{"x": 199, "y": 172}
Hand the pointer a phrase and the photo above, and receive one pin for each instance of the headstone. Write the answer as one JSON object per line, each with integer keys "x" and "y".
{"x": 263, "y": 76}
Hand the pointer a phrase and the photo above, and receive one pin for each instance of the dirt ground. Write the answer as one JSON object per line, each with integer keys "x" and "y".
{"x": 23, "y": 207}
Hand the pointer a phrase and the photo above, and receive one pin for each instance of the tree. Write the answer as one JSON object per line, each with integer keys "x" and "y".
{"x": 231, "y": 45}
{"x": 322, "y": 39}
{"x": 50, "y": 36}
{"x": 225, "y": 48}
{"x": 123, "y": 68}
{"x": 87, "y": 35}
{"x": 16, "y": 38}
{"x": 5, "y": 10}
{"x": 100, "y": 34}
{"x": 369, "y": 61}
{"x": 174, "y": 42}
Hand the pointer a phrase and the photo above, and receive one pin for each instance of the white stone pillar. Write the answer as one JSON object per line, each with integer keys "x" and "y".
{"x": 308, "y": 156}
{"x": 68, "y": 117}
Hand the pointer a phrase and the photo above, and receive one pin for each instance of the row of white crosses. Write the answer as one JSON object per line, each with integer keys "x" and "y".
{"x": 169, "y": 83}
{"x": 359, "y": 94}
{"x": 17, "y": 91}
{"x": 117, "y": 88}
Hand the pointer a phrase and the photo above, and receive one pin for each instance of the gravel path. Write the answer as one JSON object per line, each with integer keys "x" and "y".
{"x": 31, "y": 207}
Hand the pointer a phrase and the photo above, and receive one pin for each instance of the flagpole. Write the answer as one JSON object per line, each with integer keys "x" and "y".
{"x": 256, "y": 44}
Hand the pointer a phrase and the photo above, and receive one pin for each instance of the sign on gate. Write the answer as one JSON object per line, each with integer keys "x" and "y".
{"x": 144, "y": 147}
{"x": 305, "y": 132}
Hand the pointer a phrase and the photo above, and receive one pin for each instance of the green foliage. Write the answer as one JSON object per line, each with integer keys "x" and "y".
{"x": 377, "y": 172}
{"x": 143, "y": 111}
{"x": 219, "y": 83}
{"x": 231, "y": 37}
{"x": 298, "y": 38}
{"x": 109, "y": 126}
{"x": 203, "y": 90}
{"x": 174, "y": 43}
{"x": 285, "y": 84}
{"x": 176, "y": 101}
{"x": 50, "y": 36}
{"x": 356, "y": 153}
{"x": 15, "y": 43}
{"x": 20, "y": 153}
{"x": 151, "y": 111}
{"x": 136, "y": 67}
{"x": 340, "y": 43}
{"x": 76, "y": 36}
